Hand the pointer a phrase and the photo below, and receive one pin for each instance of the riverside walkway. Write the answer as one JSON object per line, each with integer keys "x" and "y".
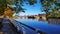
{"x": 7, "y": 27}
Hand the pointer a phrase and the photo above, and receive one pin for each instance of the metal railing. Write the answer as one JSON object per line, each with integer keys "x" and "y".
{"x": 20, "y": 27}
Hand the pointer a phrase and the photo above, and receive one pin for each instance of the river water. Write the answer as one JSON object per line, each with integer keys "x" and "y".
{"x": 44, "y": 26}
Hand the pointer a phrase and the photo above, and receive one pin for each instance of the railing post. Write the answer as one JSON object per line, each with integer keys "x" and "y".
{"x": 37, "y": 30}
{"x": 23, "y": 30}
{"x": 19, "y": 24}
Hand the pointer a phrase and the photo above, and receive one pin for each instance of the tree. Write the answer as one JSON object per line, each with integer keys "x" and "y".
{"x": 46, "y": 4}
{"x": 17, "y": 3}
{"x": 53, "y": 5}
{"x": 8, "y": 12}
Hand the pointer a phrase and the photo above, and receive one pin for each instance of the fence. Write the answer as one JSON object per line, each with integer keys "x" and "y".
{"x": 21, "y": 27}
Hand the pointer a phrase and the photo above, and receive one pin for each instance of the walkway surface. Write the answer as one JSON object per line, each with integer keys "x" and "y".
{"x": 7, "y": 27}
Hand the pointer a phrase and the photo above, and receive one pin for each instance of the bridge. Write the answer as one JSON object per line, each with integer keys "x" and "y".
{"x": 39, "y": 16}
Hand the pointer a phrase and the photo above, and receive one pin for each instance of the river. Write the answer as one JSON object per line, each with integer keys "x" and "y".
{"x": 44, "y": 26}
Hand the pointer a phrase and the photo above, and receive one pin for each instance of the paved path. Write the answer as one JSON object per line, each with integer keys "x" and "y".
{"x": 7, "y": 27}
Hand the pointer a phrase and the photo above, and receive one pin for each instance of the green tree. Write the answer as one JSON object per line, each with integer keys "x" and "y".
{"x": 17, "y": 3}
{"x": 47, "y": 5}
{"x": 53, "y": 5}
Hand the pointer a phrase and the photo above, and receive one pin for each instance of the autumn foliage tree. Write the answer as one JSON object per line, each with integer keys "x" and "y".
{"x": 8, "y": 11}
{"x": 17, "y": 3}
{"x": 47, "y": 5}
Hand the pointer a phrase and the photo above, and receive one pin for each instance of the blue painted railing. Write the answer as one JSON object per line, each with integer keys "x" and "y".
{"x": 20, "y": 27}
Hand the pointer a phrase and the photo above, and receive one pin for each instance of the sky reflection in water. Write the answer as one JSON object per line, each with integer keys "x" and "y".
{"x": 42, "y": 25}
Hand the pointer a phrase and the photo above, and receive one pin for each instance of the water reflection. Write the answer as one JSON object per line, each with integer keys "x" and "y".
{"x": 51, "y": 26}
{"x": 54, "y": 21}
{"x": 50, "y": 21}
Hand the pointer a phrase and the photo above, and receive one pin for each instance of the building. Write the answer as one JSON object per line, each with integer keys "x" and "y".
{"x": 42, "y": 16}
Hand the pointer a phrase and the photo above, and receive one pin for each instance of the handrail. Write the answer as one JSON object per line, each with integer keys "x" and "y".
{"x": 37, "y": 30}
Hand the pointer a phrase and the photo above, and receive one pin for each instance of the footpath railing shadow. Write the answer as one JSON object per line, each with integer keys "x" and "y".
{"x": 20, "y": 27}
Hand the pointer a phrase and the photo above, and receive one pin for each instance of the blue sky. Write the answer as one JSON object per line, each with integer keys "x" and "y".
{"x": 34, "y": 9}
